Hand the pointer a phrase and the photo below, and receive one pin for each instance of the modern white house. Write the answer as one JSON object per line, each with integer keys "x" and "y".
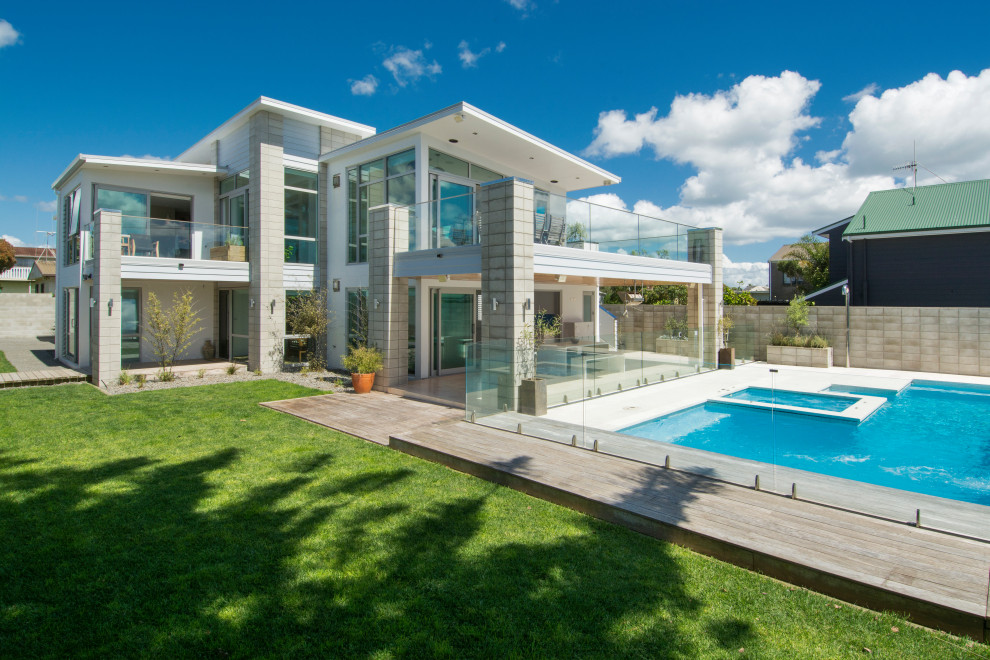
{"x": 447, "y": 234}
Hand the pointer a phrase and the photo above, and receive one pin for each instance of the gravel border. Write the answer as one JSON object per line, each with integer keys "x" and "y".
{"x": 328, "y": 381}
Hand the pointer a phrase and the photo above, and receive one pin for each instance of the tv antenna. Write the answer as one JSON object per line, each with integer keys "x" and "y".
{"x": 914, "y": 165}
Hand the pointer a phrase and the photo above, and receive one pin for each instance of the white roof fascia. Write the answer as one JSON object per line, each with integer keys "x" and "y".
{"x": 284, "y": 109}
{"x": 819, "y": 232}
{"x": 553, "y": 259}
{"x": 906, "y": 234}
{"x": 83, "y": 160}
{"x": 467, "y": 108}
{"x": 828, "y": 288}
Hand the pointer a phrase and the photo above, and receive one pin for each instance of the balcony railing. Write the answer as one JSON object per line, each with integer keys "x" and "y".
{"x": 557, "y": 220}
{"x": 16, "y": 274}
{"x": 178, "y": 239}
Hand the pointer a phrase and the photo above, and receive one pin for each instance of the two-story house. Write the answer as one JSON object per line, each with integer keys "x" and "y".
{"x": 447, "y": 232}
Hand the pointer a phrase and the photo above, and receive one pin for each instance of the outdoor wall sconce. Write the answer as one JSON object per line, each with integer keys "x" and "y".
{"x": 494, "y": 304}
{"x": 336, "y": 286}
{"x": 562, "y": 278}
{"x": 377, "y": 303}
{"x": 181, "y": 266}
{"x": 528, "y": 304}
{"x": 274, "y": 303}
{"x": 92, "y": 302}
{"x": 336, "y": 181}
{"x": 110, "y": 307}
{"x": 251, "y": 303}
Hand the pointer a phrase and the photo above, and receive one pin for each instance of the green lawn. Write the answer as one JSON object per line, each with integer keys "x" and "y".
{"x": 192, "y": 522}
{"x": 5, "y": 366}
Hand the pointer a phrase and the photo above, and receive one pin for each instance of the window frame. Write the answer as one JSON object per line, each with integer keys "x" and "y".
{"x": 315, "y": 192}
{"x": 355, "y": 239}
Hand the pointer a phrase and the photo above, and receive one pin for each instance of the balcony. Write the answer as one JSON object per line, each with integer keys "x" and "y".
{"x": 16, "y": 274}
{"x": 557, "y": 221}
{"x": 177, "y": 239}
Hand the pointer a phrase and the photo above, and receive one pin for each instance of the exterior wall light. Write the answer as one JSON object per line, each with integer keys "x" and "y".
{"x": 336, "y": 286}
{"x": 377, "y": 303}
{"x": 336, "y": 181}
{"x": 494, "y": 304}
{"x": 251, "y": 303}
{"x": 110, "y": 307}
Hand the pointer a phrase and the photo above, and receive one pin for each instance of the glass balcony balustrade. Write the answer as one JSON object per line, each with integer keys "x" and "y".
{"x": 178, "y": 239}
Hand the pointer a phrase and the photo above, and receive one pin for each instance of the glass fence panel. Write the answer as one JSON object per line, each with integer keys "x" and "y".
{"x": 177, "y": 239}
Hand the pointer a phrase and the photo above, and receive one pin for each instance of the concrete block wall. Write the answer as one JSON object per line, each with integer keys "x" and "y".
{"x": 266, "y": 252}
{"x": 949, "y": 340}
{"x": 388, "y": 322}
{"x": 105, "y": 360}
{"x": 27, "y": 314}
{"x": 506, "y": 209}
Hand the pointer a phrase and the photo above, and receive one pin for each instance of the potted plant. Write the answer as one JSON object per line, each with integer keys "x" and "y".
{"x": 794, "y": 345}
{"x": 672, "y": 342}
{"x": 726, "y": 354}
{"x": 532, "y": 388}
{"x": 232, "y": 250}
{"x": 363, "y": 362}
{"x": 577, "y": 237}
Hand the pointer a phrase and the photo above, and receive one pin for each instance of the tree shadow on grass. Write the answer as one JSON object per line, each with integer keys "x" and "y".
{"x": 142, "y": 557}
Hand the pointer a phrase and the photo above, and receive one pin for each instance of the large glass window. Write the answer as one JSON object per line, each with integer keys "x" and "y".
{"x": 70, "y": 330}
{"x": 357, "y": 317}
{"x": 301, "y": 208}
{"x": 391, "y": 179}
{"x": 70, "y": 226}
{"x": 441, "y": 162}
{"x": 130, "y": 326}
{"x": 233, "y": 211}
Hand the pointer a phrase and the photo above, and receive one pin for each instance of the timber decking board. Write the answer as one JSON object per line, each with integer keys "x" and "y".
{"x": 51, "y": 376}
{"x": 950, "y": 573}
{"x": 372, "y": 416}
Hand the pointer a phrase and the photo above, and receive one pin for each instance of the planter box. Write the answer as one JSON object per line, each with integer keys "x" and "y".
{"x": 673, "y": 346}
{"x": 228, "y": 253}
{"x": 533, "y": 396}
{"x": 796, "y": 356}
{"x": 726, "y": 358}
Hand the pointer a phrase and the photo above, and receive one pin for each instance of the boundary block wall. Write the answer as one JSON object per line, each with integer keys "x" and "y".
{"x": 27, "y": 314}
{"x": 948, "y": 340}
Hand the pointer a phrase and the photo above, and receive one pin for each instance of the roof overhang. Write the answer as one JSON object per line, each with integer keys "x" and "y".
{"x": 474, "y": 130}
{"x": 132, "y": 164}
{"x": 907, "y": 234}
{"x": 200, "y": 152}
{"x": 604, "y": 268}
{"x": 834, "y": 225}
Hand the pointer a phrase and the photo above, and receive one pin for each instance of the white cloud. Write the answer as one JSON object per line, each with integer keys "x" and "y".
{"x": 522, "y": 5}
{"x": 747, "y": 272}
{"x": 47, "y": 207}
{"x": 8, "y": 35}
{"x": 855, "y": 97}
{"x": 22, "y": 199}
{"x": 366, "y": 86}
{"x": 13, "y": 240}
{"x": 500, "y": 47}
{"x": 469, "y": 59}
{"x": 741, "y": 143}
{"x": 408, "y": 66}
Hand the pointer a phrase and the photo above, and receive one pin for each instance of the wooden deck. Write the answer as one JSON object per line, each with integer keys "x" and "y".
{"x": 49, "y": 376}
{"x": 372, "y": 416}
{"x": 938, "y": 580}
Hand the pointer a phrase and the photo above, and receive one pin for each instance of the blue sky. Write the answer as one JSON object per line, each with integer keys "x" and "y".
{"x": 767, "y": 120}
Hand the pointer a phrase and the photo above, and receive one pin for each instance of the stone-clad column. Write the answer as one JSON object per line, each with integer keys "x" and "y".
{"x": 506, "y": 212}
{"x": 266, "y": 249}
{"x": 105, "y": 361}
{"x": 705, "y": 300}
{"x": 388, "y": 296}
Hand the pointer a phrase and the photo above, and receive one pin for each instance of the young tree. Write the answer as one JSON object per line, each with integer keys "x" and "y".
{"x": 7, "y": 258}
{"x": 732, "y": 296}
{"x": 170, "y": 331}
{"x": 808, "y": 263}
{"x": 307, "y": 314}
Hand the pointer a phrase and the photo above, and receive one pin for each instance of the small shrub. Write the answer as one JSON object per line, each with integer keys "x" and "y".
{"x": 304, "y": 370}
{"x": 363, "y": 360}
{"x": 231, "y": 370}
{"x": 166, "y": 376}
{"x": 818, "y": 342}
{"x": 201, "y": 374}
{"x": 257, "y": 372}
{"x": 797, "y": 313}
{"x": 141, "y": 380}
{"x": 676, "y": 327}
{"x": 124, "y": 378}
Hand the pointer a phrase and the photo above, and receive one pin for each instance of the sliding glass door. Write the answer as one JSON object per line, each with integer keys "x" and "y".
{"x": 453, "y": 330}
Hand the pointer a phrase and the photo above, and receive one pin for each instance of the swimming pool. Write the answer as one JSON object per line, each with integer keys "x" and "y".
{"x": 831, "y": 402}
{"x": 930, "y": 437}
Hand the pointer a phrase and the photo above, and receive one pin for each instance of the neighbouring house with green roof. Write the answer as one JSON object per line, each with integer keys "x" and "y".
{"x": 927, "y": 246}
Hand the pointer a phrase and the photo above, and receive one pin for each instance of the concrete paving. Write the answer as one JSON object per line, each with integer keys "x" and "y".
{"x": 29, "y": 353}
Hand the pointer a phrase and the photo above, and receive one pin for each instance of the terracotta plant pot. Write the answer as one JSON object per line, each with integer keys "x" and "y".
{"x": 362, "y": 382}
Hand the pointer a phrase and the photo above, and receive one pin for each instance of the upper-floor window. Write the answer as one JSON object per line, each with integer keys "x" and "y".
{"x": 301, "y": 208}
{"x": 234, "y": 208}
{"x": 70, "y": 226}
{"x": 392, "y": 180}
{"x": 152, "y": 224}
{"x": 441, "y": 162}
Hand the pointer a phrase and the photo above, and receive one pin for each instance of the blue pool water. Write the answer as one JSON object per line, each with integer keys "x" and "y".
{"x": 830, "y": 402}
{"x": 931, "y": 438}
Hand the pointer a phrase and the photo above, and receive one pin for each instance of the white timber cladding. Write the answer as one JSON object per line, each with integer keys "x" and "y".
{"x": 152, "y": 268}
{"x": 233, "y": 150}
{"x": 299, "y": 139}
{"x": 298, "y": 277}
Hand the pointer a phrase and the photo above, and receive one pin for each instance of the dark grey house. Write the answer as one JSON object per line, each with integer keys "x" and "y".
{"x": 920, "y": 247}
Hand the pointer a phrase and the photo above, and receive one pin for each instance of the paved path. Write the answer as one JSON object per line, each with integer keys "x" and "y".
{"x": 29, "y": 353}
